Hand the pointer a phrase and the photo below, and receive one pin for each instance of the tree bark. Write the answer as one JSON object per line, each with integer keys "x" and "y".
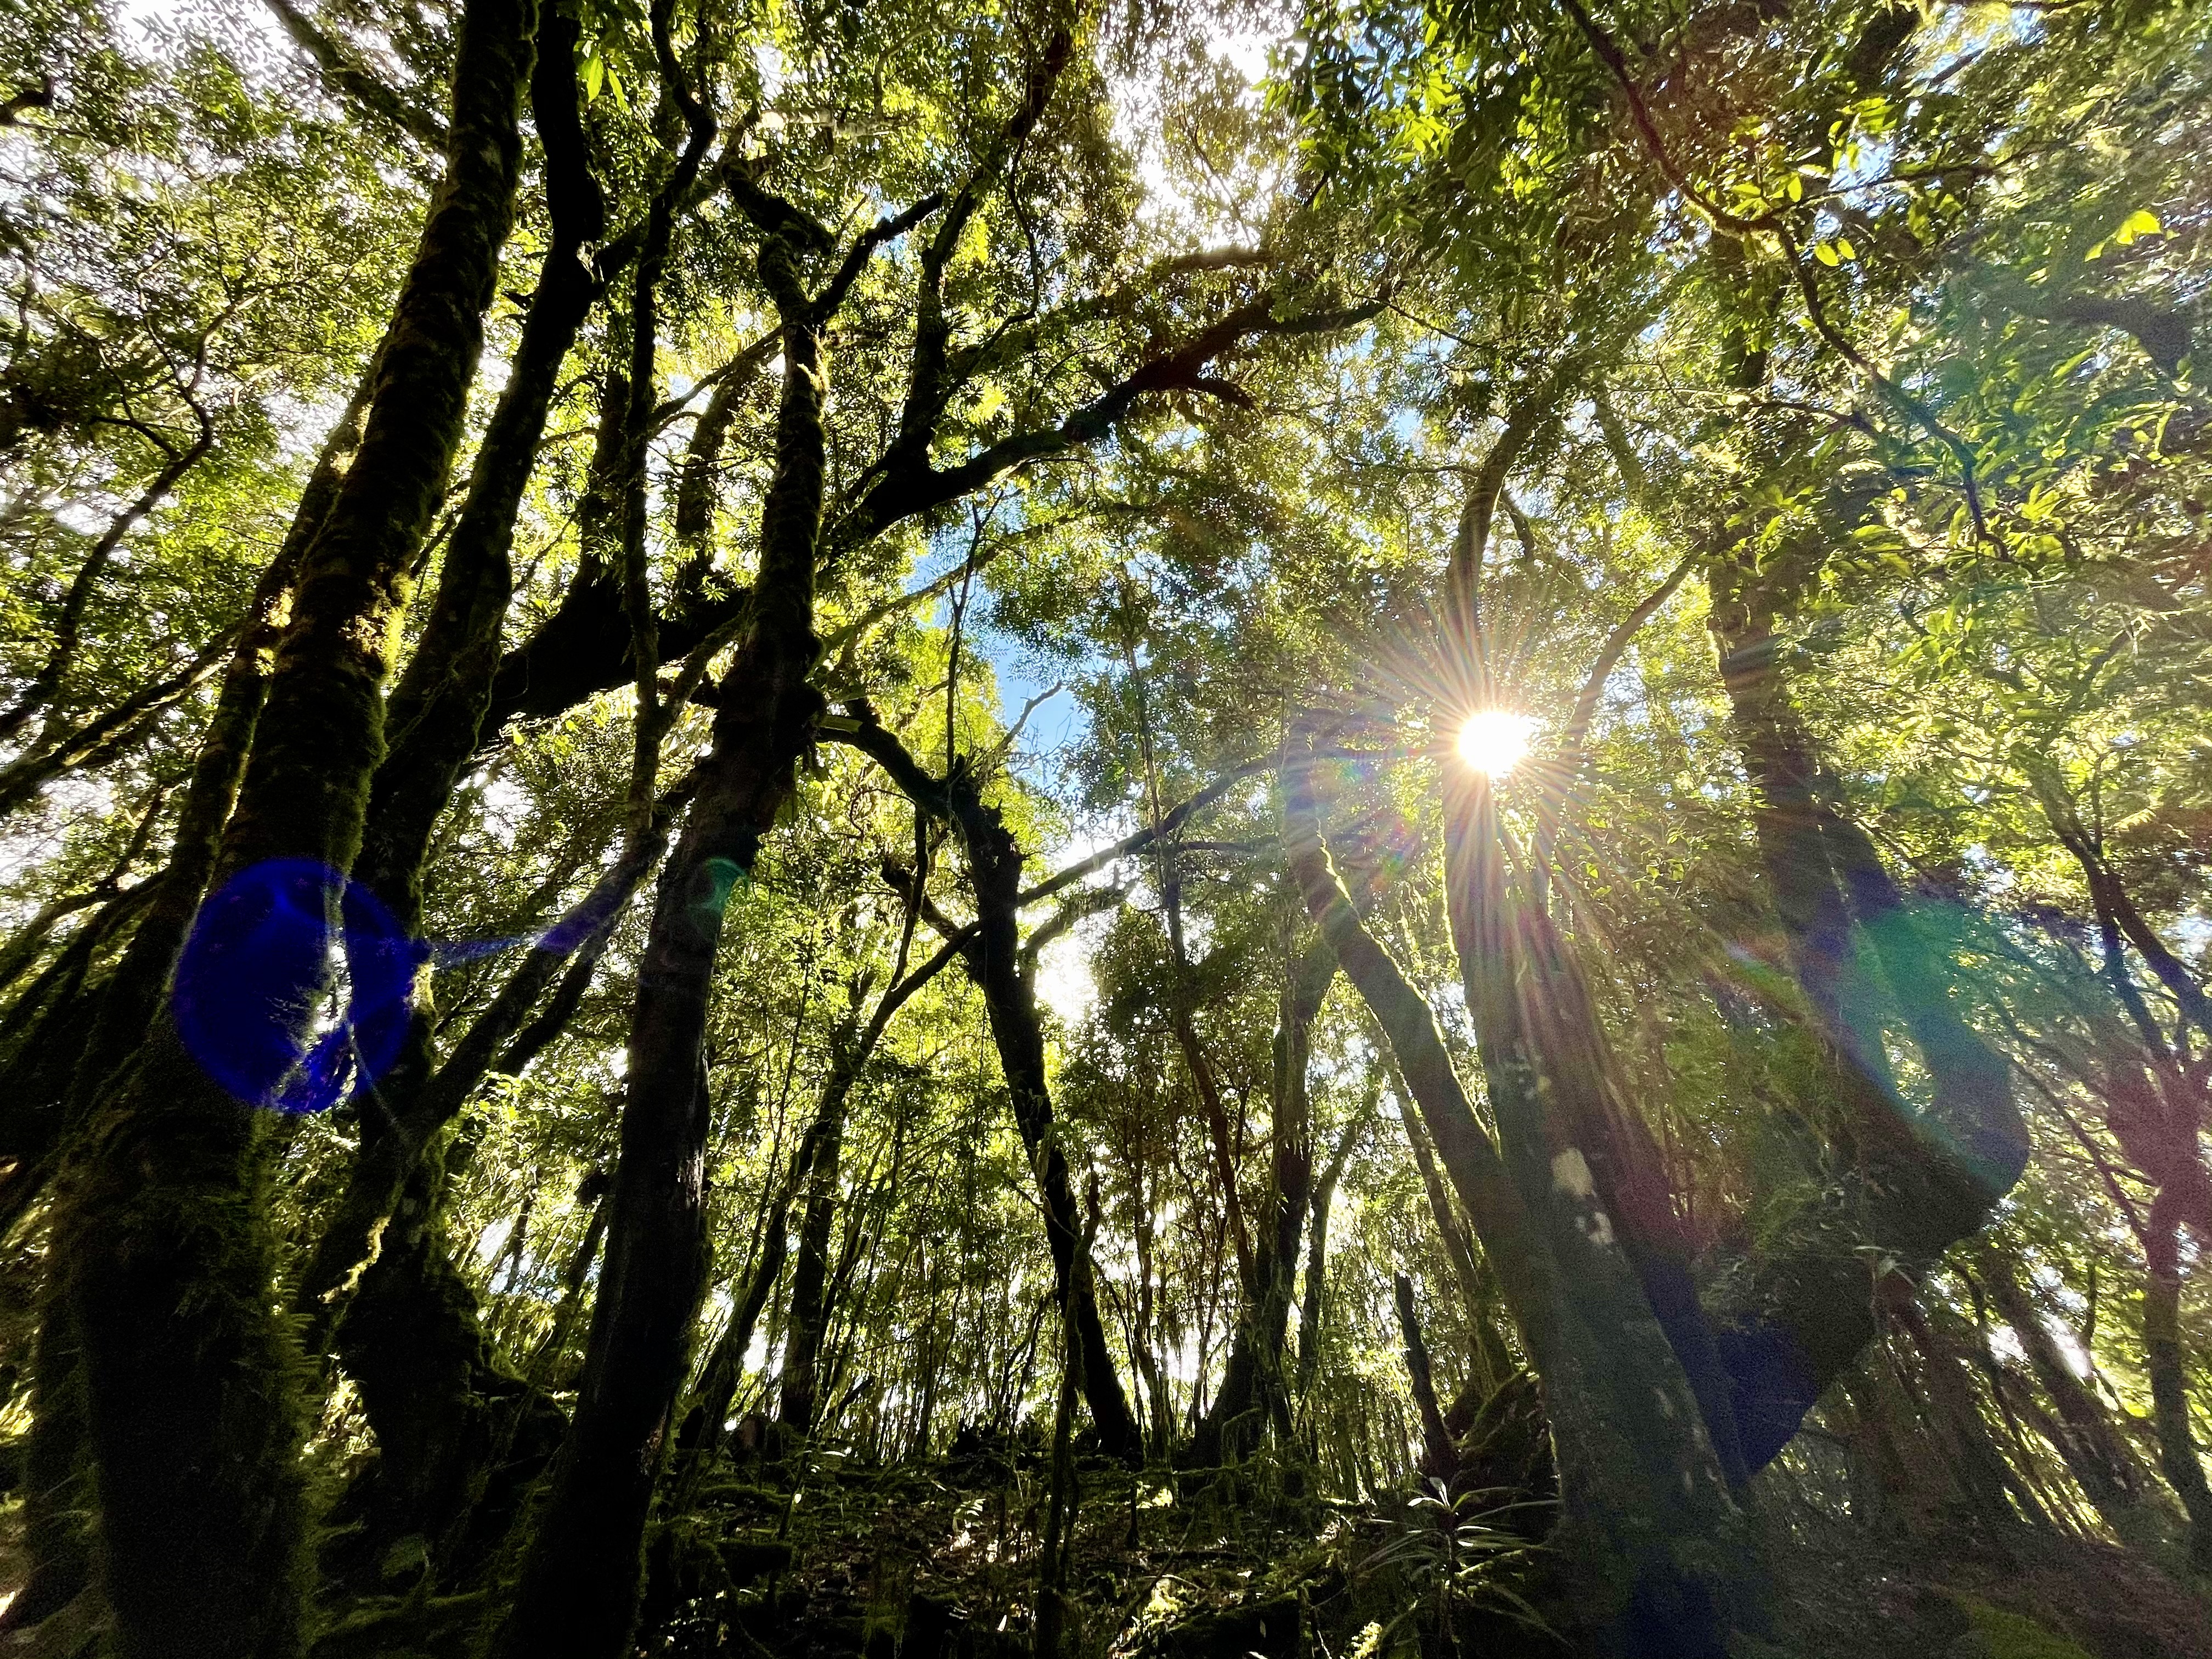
{"x": 1647, "y": 1511}
{"x": 2101, "y": 1462}
{"x": 189, "y": 1376}
{"x": 1253, "y": 1381}
{"x": 434, "y": 715}
{"x": 580, "y": 1585}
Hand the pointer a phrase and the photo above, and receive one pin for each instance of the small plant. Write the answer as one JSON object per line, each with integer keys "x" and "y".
{"x": 1456, "y": 1548}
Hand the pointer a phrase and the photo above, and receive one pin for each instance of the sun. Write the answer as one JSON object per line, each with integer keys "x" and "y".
{"x": 1493, "y": 740}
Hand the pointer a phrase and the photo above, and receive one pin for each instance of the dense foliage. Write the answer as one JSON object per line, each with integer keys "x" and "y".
{"x": 1186, "y": 829}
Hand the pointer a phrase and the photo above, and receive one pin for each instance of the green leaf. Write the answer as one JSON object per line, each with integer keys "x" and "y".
{"x": 2141, "y": 222}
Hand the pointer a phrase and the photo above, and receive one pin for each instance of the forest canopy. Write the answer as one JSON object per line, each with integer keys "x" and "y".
{"x": 1206, "y": 827}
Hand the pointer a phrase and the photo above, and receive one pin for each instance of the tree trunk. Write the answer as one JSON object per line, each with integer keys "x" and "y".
{"x": 1655, "y": 1516}
{"x": 701, "y": 1436}
{"x": 442, "y": 1402}
{"x": 449, "y": 1414}
{"x": 997, "y": 964}
{"x": 1647, "y": 1513}
{"x": 1459, "y": 1248}
{"x": 1439, "y": 1456}
{"x": 57, "y": 1074}
{"x": 2169, "y": 1384}
{"x": 189, "y": 1374}
{"x": 809, "y": 1274}
{"x": 1310, "y": 1306}
{"x": 435, "y": 712}
{"x": 2101, "y": 1462}
{"x": 1253, "y": 1381}
{"x": 995, "y": 869}
{"x": 1793, "y": 1314}
{"x": 581, "y": 1582}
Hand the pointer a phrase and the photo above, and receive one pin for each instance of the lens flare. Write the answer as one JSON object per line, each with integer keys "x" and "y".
{"x": 1493, "y": 741}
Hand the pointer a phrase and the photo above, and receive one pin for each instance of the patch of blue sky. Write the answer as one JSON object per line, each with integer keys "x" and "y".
{"x": 1020, "y": 674}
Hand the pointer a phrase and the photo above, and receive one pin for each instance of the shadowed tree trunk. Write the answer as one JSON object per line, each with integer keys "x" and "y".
{"x": 1645, "y": 1506}
{"x": 1253, "y": 1381}
{"x": 78, "y": 1044}
{"x": 581, "y": 1580}
{"x": 1439, "y": 1456}
{"x": 1003, "y": 969}
{"x": 432, "y": 1387}
{"x": 189, "y": 1377}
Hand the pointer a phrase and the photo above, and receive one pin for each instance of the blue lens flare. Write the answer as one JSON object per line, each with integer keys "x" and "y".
{"x": 293, "y": 990}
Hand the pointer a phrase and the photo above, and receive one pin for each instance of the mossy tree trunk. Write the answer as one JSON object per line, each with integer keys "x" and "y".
{"x": 1652, "y": 1511}
{"x": 78, "y": 1045}
{"x": 1253, "y": 1381}
{"x": 581, "y": 1582}
{"x": 190, "y": 1379}
{"x": 438, "y": 1396}
{"x": 1646, "y": 1509}
{"x": 435, "y": 712}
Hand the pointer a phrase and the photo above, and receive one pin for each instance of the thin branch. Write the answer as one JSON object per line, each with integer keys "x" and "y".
{"x": 347, "y": 77}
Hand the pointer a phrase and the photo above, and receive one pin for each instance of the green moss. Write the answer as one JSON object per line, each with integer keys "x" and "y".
{"x": 2015, "y": 1636}
{"x": 1751, "y": 1647}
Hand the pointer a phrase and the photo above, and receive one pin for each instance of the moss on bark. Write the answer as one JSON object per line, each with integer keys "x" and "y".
{"x": 191, "y": 1383}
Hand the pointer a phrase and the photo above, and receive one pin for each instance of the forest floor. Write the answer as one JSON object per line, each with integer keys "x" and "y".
{"x": 944, "y": 1561}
